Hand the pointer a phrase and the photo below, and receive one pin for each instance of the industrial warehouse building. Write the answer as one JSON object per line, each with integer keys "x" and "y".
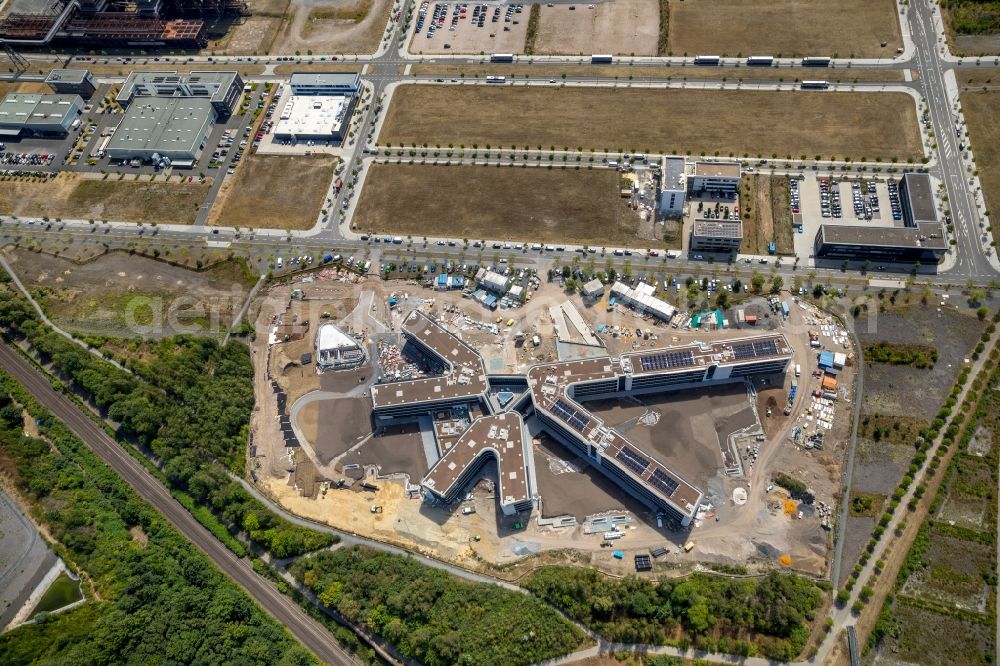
{"x": 72, "y": 82}
{"x": 716, "y": 235}
{"x": 42, "y": 115}
{"x": 920, "y": 239}
{"x": 152, "y": 128}
{"x": 319, "y": 107}
{"x": 222, "y": 89}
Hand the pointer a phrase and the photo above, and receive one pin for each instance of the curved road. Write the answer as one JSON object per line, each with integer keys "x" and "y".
{"x": 308, "y": 631}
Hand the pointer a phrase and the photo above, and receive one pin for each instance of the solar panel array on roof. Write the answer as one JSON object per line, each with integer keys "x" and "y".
{"x": 633, "y": 460}
{"x": 744, "y": 350}
{"x": 643, "y": 563}
{"x": 765, "y": 348}
{"x": 570, "y": 415}
{"x": 662, "y": 361}
{"x": 663, "y": 483}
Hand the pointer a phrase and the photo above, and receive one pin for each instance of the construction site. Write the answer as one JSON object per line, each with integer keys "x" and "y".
{"x": 175, "y": 24}
{"x": 563, "y": 422}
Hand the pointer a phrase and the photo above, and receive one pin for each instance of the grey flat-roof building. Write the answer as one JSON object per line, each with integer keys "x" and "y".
{"x": 922, "y": 238}
{"x": 673, "y": 187}
{"x": 716, "y": 235}
{"x": 325, "y": 83}
{"x": 222, "y": 89}
{"x": 172, "y": 127}
{"x": 924, "y": 243}
{"x": 916, "y": 195}
{"x": 72, "y": 82}
{"x": 38, "y": 114}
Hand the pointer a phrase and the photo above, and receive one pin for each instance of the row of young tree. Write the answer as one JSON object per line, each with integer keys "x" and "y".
{"x": 189, "y": 402}
{"x": 152, "y": 597}
{"x": 766, "y": 616}
{"x": 432, "y": 616}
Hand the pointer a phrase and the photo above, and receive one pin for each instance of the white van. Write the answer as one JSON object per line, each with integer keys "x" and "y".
{"x": 279, "y": 262}
{"x": 798, "y": 370}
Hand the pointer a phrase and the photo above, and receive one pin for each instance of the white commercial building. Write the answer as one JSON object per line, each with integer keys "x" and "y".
{"x": 593, "y": 290}
{"x": 492, "y": 280}
{"x": 314, "y": 117}
{"x": 642, "y": 299}
{"x": 673, "y": 187}
{"x": 335, "y": 350}
{"x": 714, "y": 177}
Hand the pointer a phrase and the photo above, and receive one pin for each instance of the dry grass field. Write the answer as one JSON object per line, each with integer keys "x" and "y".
{"x": 524, "y": 204}
{"x": 72, "y": 196}
{"x": 714, "y": 121}
{"x": 621, "y": 26}
{"x": 978, "y": 78}
{"x": 982, "y": 112}
{"x": 766, "y": 214}
{"x": 849, "y": 28}
{"x": 274, "y": 191}
{"x": 642, "y": 73}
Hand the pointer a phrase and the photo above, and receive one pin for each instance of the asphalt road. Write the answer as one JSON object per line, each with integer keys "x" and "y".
{"x": 310, "y": 633}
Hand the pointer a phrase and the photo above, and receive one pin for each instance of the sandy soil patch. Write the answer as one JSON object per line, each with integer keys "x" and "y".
{"x": 275, "y": 191}
{"x": 628, "y": 27}
{"x": 73, "y": 196}
{"x": 792, "y": 123}
{"x": 552, "y": 205}
{"x": 790, "y": 28}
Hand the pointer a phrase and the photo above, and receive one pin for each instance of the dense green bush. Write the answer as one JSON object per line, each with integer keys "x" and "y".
{"x": 918, "y": 356}
{"x": 161, "y": 600}
{"x": 432, "y": 616}
{"x": 775, "y": 608}
{"x": 190, "y": 405}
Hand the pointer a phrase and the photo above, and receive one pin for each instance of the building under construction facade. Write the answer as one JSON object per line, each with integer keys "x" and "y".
{"x": 174, "y": 24}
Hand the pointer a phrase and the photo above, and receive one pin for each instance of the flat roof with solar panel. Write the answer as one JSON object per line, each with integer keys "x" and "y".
{"x": 465, "y": 377}
{"x": 553, "y": 389}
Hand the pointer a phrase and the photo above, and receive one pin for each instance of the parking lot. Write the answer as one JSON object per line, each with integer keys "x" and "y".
{"x": 464, "y": 28}
{"x": 858, "y": 200}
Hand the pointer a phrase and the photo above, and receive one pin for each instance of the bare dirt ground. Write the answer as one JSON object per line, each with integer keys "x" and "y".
{"x": 906, "y": 391}
{"x": 982, "y": 111}
{"x": 333, "y": 26}
{"x": 576, "y": 489}
{"x": 396, "y": 450}
{"x": 789, "y": 28}
{"x": 7, "y": 87}
{"x": 628, "y": 27}
{"x": 274, "y": 191}
{"x": 785, "y": 123}
{"x": 74, "y": 196}
{"x": 974, "y": 45}
{"x": 766, "y": 215}
{"x": 467, "y": 37}
{"x": 117, "y": 292}
{"x": 552, "y": 205}
{"x": 690, "y": 426}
